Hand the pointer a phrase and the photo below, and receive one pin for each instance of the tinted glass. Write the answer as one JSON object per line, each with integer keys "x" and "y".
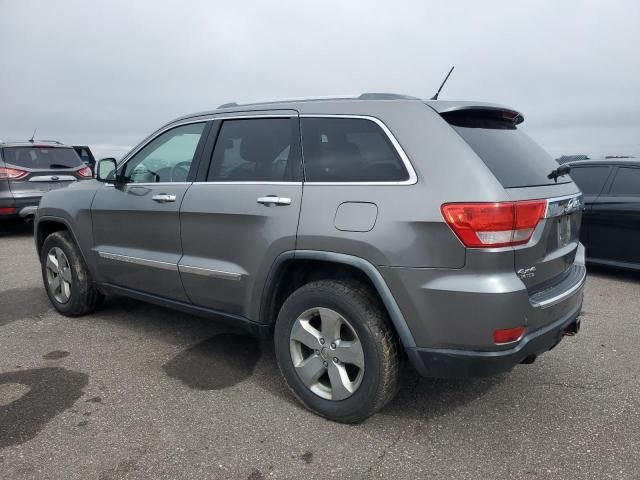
{"x": 513, "y": 158}
{"x": 42, "y": 158}
{"x": 627, "y": 182}
{"x": 256, "y": 150}
{"x": 349, "y": 150}
{"x": 590, "y": 179}
{"x": 167, "y": 158}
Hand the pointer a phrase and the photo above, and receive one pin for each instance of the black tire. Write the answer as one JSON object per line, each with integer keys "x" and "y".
{"x": 355, "y": 302}
{"x": 84, "y": 295}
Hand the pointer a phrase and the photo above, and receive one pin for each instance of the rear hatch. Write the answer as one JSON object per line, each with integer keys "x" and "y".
{"x": 522, "y": 167}
{"x": 36, "y": 169}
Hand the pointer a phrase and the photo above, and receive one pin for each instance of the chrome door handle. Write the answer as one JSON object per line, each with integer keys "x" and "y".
{"x": 163, "y": 198}
{"x": 274, "y": 200}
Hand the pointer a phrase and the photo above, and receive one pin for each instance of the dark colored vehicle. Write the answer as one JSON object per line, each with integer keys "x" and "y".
{"x": 28, "y": 170}
{"x": 85, "y": 154}
{"x": 359, "y": 231}
{"x": 611, "y": 218}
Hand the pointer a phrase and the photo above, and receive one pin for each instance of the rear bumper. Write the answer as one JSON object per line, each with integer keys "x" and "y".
{"x": 447, "y": 363}
{"x": 22, "y": 207}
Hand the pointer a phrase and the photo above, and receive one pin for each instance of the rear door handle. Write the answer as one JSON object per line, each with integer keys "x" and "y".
{"x": 163, "y": 198}
{"x": 274, "y": 200}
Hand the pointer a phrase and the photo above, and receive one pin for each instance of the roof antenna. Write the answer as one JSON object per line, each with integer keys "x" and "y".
{"x": 435, "y": 97}
{"x": 33, "y": 136}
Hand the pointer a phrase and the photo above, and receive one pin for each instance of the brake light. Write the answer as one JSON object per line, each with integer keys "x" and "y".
{"x": 508, "y": 335}
{"x": 501, "y": 224}
{"x": 7, "y": 210}
{"x": 85, "y": 172}
{"x": 7, "y": 173}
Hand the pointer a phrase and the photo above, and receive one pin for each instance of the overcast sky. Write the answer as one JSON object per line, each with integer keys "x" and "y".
{"x": 108, "y": 73}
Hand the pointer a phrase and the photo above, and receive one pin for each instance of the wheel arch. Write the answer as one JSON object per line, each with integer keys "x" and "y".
{"x": 282, "y": 280}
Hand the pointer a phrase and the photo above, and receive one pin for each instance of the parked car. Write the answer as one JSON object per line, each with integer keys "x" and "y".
{"x": 359, "y": 231}
{"x": 85, "y": 154}
{"x": 29, "y": 169}
{"x": 611, "y": 219}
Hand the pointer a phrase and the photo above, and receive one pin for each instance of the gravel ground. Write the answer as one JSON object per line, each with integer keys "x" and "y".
{"x": 135, "y": 391}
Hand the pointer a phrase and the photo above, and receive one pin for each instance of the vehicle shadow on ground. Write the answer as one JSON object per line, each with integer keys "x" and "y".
{"x": 215, "y": 357}
{"x": 16, "y": 228}
{"x": 611, "y": 273}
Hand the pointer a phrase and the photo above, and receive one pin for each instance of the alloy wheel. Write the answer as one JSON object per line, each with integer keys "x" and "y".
{"x": 58, "y": 275}
{"x": 326, "y": 353}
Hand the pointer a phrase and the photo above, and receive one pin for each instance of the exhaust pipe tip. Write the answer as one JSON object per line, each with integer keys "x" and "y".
{"x": 572, "y": 329}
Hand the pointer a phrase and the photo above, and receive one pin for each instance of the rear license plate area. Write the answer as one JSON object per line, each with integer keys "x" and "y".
{"x": 564, "y": 230}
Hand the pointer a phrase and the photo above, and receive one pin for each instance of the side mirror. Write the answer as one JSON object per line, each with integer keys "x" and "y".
{"x": 106, "y": 170}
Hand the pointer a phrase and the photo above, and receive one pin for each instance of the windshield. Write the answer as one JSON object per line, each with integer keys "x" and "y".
{"x": 42, "y": 158}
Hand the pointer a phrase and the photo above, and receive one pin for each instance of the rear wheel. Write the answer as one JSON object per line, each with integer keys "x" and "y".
{"x": 336, "y": 350}
{"x": 66, "y": 277}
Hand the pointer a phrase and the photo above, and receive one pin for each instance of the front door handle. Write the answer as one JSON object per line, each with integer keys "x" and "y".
{"x": 274, "y": 200}
{"x": 163, "y": 198}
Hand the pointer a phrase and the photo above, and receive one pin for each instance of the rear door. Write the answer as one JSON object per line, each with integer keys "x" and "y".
{"x": 615, "y": 227}
{"x": 523, "y": 168}
{"x": 45, "y": 168}
{"x": 136, "y": 224}
{"x": 243, "y": 212}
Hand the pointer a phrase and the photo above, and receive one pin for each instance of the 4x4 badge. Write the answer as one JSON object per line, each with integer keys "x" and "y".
{"x": 527, "y": 272}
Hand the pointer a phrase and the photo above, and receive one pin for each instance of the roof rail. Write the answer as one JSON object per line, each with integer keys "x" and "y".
{"x": 385, "y": 96}
{"x": 227, "y": 105}
{"x": 362, "y": 96}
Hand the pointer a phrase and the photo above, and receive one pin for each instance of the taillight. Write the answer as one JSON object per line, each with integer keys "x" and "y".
{"x": 85, "y": 172}
{"x": 8, "y": 210}
{"x": 501, "y": 224}
{"x": 7, "y": 173}
{"x": 508, "y": 335}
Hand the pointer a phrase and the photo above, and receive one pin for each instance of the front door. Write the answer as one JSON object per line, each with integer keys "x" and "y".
{"x": 243, "y": 213}
{"x": 136, "y": 223}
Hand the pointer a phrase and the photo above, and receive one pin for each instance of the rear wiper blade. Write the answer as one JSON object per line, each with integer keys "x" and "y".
{"x": 559, "y": 172}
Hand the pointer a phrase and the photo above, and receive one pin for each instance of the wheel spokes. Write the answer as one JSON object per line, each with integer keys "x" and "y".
{"x": 341, "y": 386}
{"x": 330, "y": 322}
{"x": 311, "y": 369}
{"x": 304, "y": 333}
{"x": 350, "y": 352}
{"x": 52, "y": 263}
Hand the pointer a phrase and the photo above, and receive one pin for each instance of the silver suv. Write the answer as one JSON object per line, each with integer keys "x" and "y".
{"x": 29, "y": 169}
{"x": 359, "y": 231}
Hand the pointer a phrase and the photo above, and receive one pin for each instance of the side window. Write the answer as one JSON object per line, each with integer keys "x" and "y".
{"x": 590, "y": 179}
{"x": 627, "y": 182}
{"x": 256, "y": 150}
{"x": 167, "y": 158}
{"x": 349, "y": 150}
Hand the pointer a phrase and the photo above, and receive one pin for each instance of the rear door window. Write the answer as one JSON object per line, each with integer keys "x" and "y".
{"x": 349, "y": 150}
{"x": 590, "y": 179}
{"x": 42, "y": 158}
{"x": 513, "y": 158}
{"x": 627, "y": 182}
{"x": 256, "y": 150}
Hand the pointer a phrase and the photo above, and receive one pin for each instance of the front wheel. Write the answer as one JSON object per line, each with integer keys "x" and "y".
{"x": 336, "y": 350}
{"x": 66, "y": 277}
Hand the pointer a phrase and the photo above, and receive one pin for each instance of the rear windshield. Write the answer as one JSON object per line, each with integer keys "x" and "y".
{"x": 42, "y": 158}
{"x": 513, "y": 158}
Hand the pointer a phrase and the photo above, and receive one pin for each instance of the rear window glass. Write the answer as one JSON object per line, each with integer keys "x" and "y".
{"x": 513, "y": 158}
{"x": 42, "y": 158}
{"x": 627, "y": 182}
{"x": 349, "y": 150}
{"x": 590, "y": 179}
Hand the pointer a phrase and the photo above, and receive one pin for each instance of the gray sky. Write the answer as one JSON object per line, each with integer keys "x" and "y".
{"x": 108, "y": 73}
